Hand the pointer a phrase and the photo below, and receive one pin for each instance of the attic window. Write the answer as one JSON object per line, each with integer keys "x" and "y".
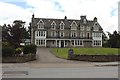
{"x": 53, "y": 25}
{"x": 40, "y": 24}
{"x": 61, "y": 26}
{"x": 73, "y": 25}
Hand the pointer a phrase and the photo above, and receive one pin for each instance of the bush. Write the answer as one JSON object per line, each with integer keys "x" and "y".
{"x": 18, "y": 50}
{"x": 5, "y": 44}
{"x": 8, "y": 51}
{"x": 30, "y": 49}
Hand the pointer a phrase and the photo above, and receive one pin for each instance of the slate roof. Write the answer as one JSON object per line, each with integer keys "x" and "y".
{"x": 67, "y": 22}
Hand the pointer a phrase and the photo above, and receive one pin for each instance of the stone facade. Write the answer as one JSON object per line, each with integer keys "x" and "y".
{"x": 49, "y": 32}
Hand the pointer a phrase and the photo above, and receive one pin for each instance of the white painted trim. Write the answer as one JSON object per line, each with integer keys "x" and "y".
{"x": 60, "y": 34}
{"x": 56, "y": 42}
{"x": 54, "y": 33}
{"x": 45, "y": 43}
{"x": 62, "y": 23}
{"x": 74, "y": 26}
{"x": 74, "y": 32}
{"x": 40, "y": 21}
{"x": 75, "y": 23}
{"x": 82, "y": 28}
{"x": 59, "y": 43}
{"x": 64, "y": 43}
{"x": 53, "y": 23}
{"x": 37, "y": 32}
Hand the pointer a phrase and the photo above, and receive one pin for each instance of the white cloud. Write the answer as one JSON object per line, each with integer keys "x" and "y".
{"x": 11, "y": 12}
{"x": 72, "y": 9}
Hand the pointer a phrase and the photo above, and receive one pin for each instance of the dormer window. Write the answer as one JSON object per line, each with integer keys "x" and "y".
{"x": 74, "y": 26}
{"x": 62, "y": 26}
{"x": 53, "y": 25}
{"x": 40, "y": 24}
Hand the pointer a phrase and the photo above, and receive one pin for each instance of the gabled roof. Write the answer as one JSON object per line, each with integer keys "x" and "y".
{"x": 67, "y": 22}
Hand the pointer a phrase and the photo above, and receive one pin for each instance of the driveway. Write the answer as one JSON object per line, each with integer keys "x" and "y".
{"x": 45, "y": 56}
{"x": 46, "y": 59}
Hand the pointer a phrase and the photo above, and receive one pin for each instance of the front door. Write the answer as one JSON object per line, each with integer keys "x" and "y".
{"x": 62, "y": 43}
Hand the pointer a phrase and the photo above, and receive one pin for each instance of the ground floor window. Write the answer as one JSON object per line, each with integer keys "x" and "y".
{"x": 40, "y": 42}
{"x": 78, "y": 42}
{"x": 97, "y": 43}
{"x": 72, "y": 42}
{"x": 66, "y": 43}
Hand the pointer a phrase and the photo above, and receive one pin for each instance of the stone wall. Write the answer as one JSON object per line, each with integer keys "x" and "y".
{"x": 19, "y": 59}
{"x": 96, "y": 58}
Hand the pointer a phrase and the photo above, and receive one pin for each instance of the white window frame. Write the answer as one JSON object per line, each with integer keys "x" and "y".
{"x": 53, "y": 25}
{"x": 40, "y": 33}
{"x": 97, "y": 35}
{"x": 78, "y": 42}
{"x": 61, "y": 33}
{"x": 40, "y": 42}
{"x": 73, "y": 34}
{"x": 97, "y": 42}
{"x": 74, "y": 25}
{"x": 82, "y": 34}
{"x": 72, "y": 42}
{"x": 40, "y": 24}
{"x": 62, "y": 26}
{"x": 53, "y": 33}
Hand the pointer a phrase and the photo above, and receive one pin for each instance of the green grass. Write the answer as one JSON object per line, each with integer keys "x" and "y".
{"x": 63, "y": 52}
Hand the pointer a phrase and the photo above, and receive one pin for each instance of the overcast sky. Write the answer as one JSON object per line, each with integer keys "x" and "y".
{"x": 105, "y": 10}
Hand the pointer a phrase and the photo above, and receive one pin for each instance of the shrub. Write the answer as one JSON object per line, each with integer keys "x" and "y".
{"x": 30, "y": 49}
{"x": 5, "y": 44}
{"x": 8, "y": 51}
{"x": 18, "y": 50}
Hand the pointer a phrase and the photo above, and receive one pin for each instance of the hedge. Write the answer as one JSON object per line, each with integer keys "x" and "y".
{"x": 30, "y": 49}
{"x": 8, "y": 51}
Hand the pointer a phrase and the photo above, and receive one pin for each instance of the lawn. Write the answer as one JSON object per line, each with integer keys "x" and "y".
{"x": 63, "y": 52}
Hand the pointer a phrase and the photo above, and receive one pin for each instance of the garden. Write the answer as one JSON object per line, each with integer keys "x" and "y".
{"x": 18, "y": 55}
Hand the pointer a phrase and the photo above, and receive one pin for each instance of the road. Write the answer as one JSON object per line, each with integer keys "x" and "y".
{"x": 82, "y": 72}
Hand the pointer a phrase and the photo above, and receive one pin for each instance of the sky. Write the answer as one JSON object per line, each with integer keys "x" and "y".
{"x": 105, "y": 10}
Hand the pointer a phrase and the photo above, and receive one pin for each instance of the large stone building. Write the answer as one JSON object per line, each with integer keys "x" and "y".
{"x": 50, "y": 32}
